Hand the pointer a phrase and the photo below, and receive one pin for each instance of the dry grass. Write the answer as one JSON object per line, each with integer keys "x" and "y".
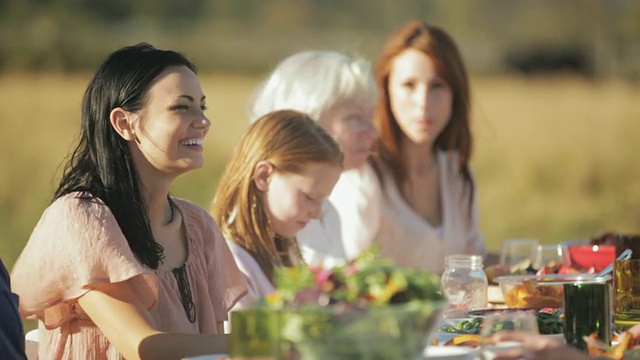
{"x": 555, "y": 158}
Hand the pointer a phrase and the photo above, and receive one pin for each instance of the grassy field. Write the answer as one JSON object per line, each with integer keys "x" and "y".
{"x": 554, "y": 158}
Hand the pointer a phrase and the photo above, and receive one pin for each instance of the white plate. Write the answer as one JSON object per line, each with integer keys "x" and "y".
{"x": 450, "y": 353}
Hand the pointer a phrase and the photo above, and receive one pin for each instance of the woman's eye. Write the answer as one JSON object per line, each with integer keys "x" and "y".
{"x": 438, "y": 84}
{"x": 180, "y": 107}
{"x": 409, "y": 84}
{"x": 204, "y": 107}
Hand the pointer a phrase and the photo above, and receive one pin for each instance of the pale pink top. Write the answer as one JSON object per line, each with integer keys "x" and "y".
{"x": 78, "y": 243}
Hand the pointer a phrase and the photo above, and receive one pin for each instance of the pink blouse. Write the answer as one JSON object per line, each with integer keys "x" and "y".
{"x": 77, "y": 243}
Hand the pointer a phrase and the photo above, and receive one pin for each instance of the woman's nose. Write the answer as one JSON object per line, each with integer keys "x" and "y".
{"x": 203, "y": 122}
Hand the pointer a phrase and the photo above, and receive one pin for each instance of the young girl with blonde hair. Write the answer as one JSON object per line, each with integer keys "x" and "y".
{"x": 277, "y": 179}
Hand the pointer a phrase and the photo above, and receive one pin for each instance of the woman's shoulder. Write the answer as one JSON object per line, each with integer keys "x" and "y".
{"x": 76, "y": 206}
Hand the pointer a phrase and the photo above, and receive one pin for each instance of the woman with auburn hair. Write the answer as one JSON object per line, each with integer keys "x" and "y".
{"x": 279, "y": 175}
{"x": 422, "y": 155}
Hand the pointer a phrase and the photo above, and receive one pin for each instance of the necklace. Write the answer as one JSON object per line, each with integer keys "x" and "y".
{"x": 184, "y": 289}
{"x": 182, "y": 279}
{"x": 172, "y": 211}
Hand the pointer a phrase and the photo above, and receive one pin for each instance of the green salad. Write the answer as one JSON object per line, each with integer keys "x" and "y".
{"x": 550, "y": 322}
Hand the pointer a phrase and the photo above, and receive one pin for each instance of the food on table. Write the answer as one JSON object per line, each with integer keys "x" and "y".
{"x": 468, "y": 340}
{"x": 626, "y": 341}
{"x": 368, "y": 308}
{"x": 532, "y": 294}
{"x": 471, "y": 326}
{"x": 365, "y": 282}
{"x": 550, "y": 321}
{"x": 555, "y": 267}
{"x": 493, "y": 271}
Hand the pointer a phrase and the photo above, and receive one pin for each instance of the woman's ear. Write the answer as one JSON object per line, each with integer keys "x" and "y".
{"x": 122, "y": 123}
{"x": 262, "y": 175}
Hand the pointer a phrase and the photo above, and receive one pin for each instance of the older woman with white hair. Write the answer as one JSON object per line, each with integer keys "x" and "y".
{"x": 339, "y": 92}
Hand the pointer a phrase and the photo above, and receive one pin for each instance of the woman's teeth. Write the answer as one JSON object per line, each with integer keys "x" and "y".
{"x": 192, "y": 142}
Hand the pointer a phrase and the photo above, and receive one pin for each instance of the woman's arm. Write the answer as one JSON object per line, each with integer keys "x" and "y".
{"x": 117, "y": 312}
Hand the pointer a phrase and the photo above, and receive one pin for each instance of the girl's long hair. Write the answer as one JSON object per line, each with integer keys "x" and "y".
{"x": 289, "y": 140}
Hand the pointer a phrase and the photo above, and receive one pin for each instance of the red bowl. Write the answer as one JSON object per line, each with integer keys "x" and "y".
{"x": 598, "y": 256}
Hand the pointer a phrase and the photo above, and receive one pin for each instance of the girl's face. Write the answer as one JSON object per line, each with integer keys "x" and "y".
{"x": 292, "y": 200}
{"x": 352, "y": 128}
{"x": 171, "y": 126}
{"x": 420, "y": 99}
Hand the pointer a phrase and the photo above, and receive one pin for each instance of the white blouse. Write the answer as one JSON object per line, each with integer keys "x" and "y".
{"x": 321, "y": 241}
{"x": 357, "y": 198}
{"x": 361, "y": 212}
{"x": 257, "y": 283}
{"x": 409, "y": 240}
{"x": 349, "y": 222}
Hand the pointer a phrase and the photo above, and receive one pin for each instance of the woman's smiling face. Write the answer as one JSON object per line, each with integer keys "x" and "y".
{"x": 171, "y": 126}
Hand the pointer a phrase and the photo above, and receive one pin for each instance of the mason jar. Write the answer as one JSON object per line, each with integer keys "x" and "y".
{"x": 464, "y": 284}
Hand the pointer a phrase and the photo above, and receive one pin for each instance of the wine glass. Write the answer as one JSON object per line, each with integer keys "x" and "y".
{"x": 550, "y": 255}
{"x": 509, "y": 321}
{"x": 517, "y": 254}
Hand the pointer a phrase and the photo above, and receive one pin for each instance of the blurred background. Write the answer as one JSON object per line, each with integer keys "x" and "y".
{"x": 555, "y": 91}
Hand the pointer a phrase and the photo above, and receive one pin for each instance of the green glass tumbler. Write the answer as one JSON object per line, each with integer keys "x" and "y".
{"x": 255, "y": 334}
{"x": 587, "y": 310}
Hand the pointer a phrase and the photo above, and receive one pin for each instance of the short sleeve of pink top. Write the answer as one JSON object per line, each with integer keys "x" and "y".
{"x": 77, "y": 243}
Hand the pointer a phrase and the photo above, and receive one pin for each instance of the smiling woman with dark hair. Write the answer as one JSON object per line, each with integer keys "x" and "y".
{"x": 116, "y": 267}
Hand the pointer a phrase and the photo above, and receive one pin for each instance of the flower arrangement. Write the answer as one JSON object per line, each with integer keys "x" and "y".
{"x": 363, "y": 283}
{"x": 366, "y": 309}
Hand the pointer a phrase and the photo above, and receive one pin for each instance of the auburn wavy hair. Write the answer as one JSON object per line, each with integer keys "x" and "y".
{"x": 456, "y": 136}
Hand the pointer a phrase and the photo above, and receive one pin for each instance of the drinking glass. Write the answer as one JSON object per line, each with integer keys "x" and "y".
{"x": 626, "y": 284}
{"x": 515, "y": 321}
{"x": 550, "y": 255}
{"x": 517, "y": 254}
{"x": 587, "y": 310}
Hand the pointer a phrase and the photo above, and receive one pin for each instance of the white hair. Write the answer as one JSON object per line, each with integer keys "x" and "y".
{"x": 312, "y": 82}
